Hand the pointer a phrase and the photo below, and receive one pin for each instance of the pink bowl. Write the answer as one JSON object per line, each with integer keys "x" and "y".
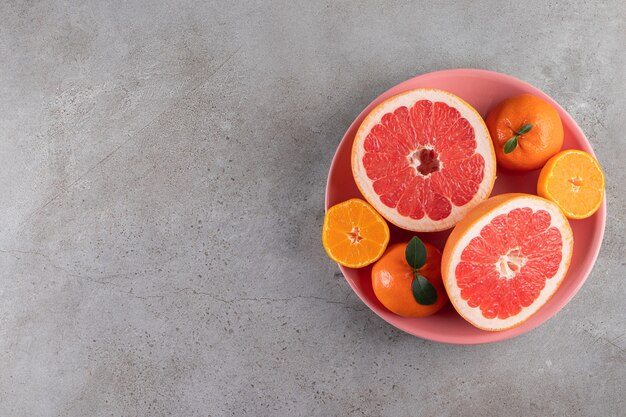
{"x": 482, "y": 89}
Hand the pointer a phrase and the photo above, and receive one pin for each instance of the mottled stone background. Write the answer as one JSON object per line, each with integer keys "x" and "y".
{"x": 162, "y": 173}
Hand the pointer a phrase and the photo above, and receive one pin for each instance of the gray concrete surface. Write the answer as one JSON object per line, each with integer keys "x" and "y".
{"x": 162, "y": 172}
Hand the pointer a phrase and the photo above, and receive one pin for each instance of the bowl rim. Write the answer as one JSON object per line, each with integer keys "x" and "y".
{"x": 594, "y": 245}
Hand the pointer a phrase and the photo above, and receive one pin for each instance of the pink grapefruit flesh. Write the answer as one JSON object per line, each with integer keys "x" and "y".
{"x": 506, "y": 259}
{"x": 423, "y": 159}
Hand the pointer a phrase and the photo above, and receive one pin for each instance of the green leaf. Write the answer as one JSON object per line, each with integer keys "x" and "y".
{"x": 423, "y": 291}
{"x": 524, "y": 129}
{"x": 510, "y": 144}
{"x": 415, "y": 253}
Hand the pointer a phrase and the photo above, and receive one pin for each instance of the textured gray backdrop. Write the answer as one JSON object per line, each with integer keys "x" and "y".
{"x": 162, "y": 172}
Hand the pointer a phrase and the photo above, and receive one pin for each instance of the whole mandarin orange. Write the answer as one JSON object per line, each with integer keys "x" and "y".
{"x": 537, "y": 145}
{"x": 392, "y": 277}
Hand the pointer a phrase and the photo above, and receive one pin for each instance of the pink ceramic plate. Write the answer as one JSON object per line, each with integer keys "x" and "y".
{"x": 482, "y": 89}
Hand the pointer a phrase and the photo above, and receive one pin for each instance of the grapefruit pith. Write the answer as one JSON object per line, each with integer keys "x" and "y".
{"x": 423, "y": 159}
{"x": 506, "y": 259}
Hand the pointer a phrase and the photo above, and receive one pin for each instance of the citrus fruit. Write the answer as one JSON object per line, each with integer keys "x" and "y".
{"x": 574, "y": 180}
{"x": 526, "y": 131}
{"x": 506, "y": 259}
{"x": 423, "y": 159}
{"x": 354, "y": 234}
{"x": 392, "y": 277}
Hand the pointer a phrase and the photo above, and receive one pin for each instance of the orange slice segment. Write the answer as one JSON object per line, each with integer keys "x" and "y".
{"x": 573, "y": 180}
{"x": 354, "y": 234}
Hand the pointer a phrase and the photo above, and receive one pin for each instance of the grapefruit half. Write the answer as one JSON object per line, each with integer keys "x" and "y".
{"x": 423, "y": 159}
{"x": 506, "y": 259}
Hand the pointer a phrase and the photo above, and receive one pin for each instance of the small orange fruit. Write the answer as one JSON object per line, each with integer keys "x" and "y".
{"x": 573, "y": 180}
{"x": 354, "y": 234}
{"x": 393, "y": 281}
{"x": 526, "y": 132}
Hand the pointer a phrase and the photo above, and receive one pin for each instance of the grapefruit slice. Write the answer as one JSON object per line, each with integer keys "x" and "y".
{"x": 506, "y": 259}
{"x": 423, "y": 159}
